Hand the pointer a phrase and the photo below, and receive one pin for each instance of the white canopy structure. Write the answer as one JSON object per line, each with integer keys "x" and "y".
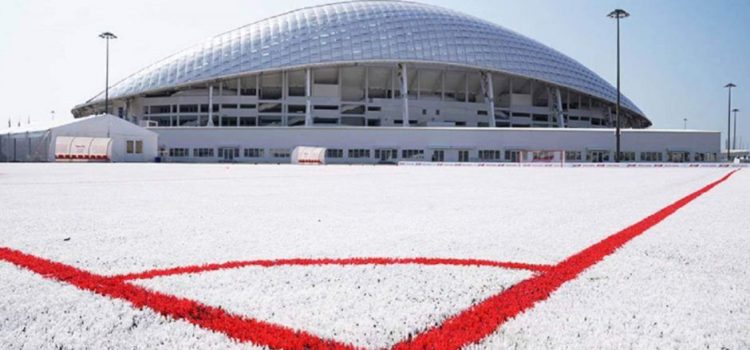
{"x": 96, "y": 138}
{"x": 309, "y": 155}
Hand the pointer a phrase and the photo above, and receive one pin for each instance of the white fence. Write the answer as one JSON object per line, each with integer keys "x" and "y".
{"x": 580, "y": 165}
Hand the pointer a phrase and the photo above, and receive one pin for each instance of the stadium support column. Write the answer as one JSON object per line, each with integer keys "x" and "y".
{"x": 489, "y": 97}
{"x": 404, "y": 76}
{"x": 559, "y": 109}
{"x": 308, "y": 97}
{"x": 210, "y": 106}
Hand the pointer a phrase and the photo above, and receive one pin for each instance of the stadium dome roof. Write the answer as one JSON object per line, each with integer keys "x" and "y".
{"x": 362, "y": 31}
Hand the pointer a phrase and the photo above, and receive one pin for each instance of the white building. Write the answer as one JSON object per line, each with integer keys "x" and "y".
{"x": 121, "y": 140}
{"x": 390, "y": 144}
{"x": 383, "y": 80}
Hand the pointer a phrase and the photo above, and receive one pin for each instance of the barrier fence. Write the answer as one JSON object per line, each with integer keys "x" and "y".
{"x": 578, "y": 165}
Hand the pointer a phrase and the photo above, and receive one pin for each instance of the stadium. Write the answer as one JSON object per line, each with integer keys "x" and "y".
{"x": 374, "y": 81}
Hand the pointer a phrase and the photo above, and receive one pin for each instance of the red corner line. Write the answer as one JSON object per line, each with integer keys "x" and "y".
{"x": 479, "y": 321}
{"x": 467, "y": 327}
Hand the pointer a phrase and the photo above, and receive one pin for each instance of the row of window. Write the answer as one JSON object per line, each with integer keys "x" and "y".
{"x": 345, "y": 109}
{"x": 418, "y": 154}
{"x": 223, "y": 152}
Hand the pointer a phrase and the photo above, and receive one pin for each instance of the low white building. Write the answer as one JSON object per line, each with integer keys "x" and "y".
{"x": 123, "y": 141}
{"x": 438, "y": 144}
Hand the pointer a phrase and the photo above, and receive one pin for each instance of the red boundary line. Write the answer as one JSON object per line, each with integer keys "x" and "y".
{"x": 467, "y": 327}
{"x": 216, "y": 319}
{"x": 479, "y": 321}
{"x": 328, "y": 261}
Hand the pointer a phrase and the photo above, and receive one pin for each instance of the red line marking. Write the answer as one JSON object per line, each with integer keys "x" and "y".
{"x": 327, "y": 261}
{"x": 237, "y": 327}
{"x": 479, "y": 321}
{"x": 460, "y": 330}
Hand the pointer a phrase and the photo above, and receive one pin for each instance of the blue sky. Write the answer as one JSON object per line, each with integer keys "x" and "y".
{"x": 676, "y": 55}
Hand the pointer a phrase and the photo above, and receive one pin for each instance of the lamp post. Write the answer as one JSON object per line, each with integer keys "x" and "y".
{"x": 684, "y": 127}
{"x": 734, "y": 137}
{"x": 107, "y": 36}
{"x": 729, "y": 118}
{"x": 617, "y": 14}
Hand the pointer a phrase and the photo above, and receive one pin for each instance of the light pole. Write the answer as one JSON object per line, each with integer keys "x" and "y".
{"x": 734, "y": 137}
{"x": 729, "y": 118}
{"x": 617, "y": 14}
{"x": 107, "y": 36}
{"x": 684, "y": 127}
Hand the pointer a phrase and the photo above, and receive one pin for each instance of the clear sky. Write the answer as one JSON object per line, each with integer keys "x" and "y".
{"x": 676, "y": 54}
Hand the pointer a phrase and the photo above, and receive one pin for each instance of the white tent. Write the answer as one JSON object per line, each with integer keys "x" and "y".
{"x": 96, "y": 138}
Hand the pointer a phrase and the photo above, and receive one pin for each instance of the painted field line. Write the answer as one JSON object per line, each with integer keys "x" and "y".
{"x": 479, "y": 321}
{"x": 329, "y": 261}
{"x": 212, "y": 318}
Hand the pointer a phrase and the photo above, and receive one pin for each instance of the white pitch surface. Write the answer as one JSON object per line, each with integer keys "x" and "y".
{"x": 368, "y": 306}
{"x": 126, "y": 218}
{"x": 36, "y": 313}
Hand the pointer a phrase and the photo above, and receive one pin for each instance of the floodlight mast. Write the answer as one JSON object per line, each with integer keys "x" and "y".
{"x": 107, "y": 36}
{"x": 729, "y": 120}
{"x": 617, "y": 14}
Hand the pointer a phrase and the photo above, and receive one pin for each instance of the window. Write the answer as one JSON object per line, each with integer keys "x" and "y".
{"x": 132, "y": 146}
{"x": 326, "y": 108}
{"x": 296, "y": 109}
{"x": 678, "y": 157}
{"x": 204, "y": 108}
{"x": 651, "y": 156}
{"x": 359, "y": 153}
{"x": 541, "y": 118}
{"x": 280, "y": 153}
{"x": 412, "y": 154}
{"x": 597, "y": 156}
{"x": 463, "y": 156}
{"x": 188, "y": 108}
{"x": 269, "y": 121}
{"x": 253, "y": 153}
{"x": 229, "y": 152}
{"x": 179, "y": 152}
{"x": 573, "y": 156}
{"x": 247, "y": 121}
{"x": 488, "y": 154}
{"x": 512, "y": 156}
{"x": 334, "y": 153}
{"x": 627, "y": 156}
{"x": 203, "y": 152}
{"x": 386, "y": 154}
{"x": 161, "y": 109}
{"x": 705, "y": 157}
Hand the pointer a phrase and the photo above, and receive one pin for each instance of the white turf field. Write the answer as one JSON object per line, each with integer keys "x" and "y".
{"x": 683, "y": 283}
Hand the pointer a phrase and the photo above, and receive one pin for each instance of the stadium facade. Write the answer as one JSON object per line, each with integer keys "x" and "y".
{"x": 383, "y": 81}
